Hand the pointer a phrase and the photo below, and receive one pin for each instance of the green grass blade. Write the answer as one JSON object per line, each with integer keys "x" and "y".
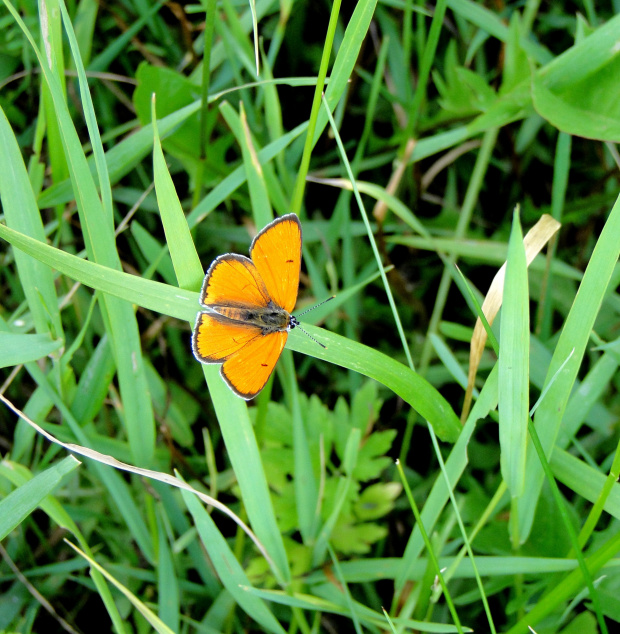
{"x": 123, "y": 157}
{"x": 319, "y": 550}
{"x": 409, "y": 385}
{"x": 93, "y": 386}
{"x": 575, "y": 336}
{"x": 111, "y": 52}
{"x": 306, "y": 487}
{"x": 100, "y": 244}
{"x": 16, "y": 349}
{"x": 429, "y": 545}
{"x": 22, "y": 214}
{"x": 350, "y": 603}
{"x": 119, "y": 492}
{"x": 513, "y": 399}
{"x": 237, "y": 177}
{"x": 19, "y": 476}
{"x": 313, "y": 132}
{"x": 334, "y": 602}
{"x": 347, "y": 56}
{"x": 562, "y": 506}
{"x": 585, "y": 481}
{"x": 244, "y": 455}
{"x": 567, "y": 588}
{"x": 186, "y": 263}
{"x": 428, "y": 57}
{"x": 455, "y": 465}
{"x": 231, "y": 411}
{"x": 167, "y": 580}
{"x": 157, "y": 624}
{"x": 494, "y": 25}
{"x": 21, "y": 502}
{"x": 260, "y": 203}
{"x": 168, "y": 300}
{"x": 90, "y": 116}
{"x": 228, "y": 568}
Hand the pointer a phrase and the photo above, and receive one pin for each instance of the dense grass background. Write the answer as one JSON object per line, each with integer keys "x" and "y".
{"x": 192, "y": 511}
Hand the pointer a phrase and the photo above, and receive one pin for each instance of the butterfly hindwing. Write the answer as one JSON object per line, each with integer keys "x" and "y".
{"x": 247, "y": 371}
{"x": 216, "y": 338}
{"x": 276, "y": 253}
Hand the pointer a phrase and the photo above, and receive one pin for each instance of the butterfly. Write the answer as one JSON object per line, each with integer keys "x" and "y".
{"x": 248, "y": 304}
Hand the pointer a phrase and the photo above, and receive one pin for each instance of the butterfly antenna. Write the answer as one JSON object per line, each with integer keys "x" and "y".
{"x": 316, "y": 306}
{"x": 297, "y": 325}
{"x": 309, "y": 335}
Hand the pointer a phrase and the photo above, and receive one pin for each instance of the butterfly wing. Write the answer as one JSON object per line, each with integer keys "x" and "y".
{"x": 216, "y": 338}
{"x": 276, "y": 253}
{"x": 233, "y": 280}
{"x": 247, "y": 371}
{"x": 249, "y": 356}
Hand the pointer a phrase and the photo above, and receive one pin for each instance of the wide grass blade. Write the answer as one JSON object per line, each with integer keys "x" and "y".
{"x": 534, "y": 241}
{"x": 21, "y": 502}
{"x": 22, "y": 214}
{"x": 16, "y": 349}
{"x": 185, "y": 260}
{"x": 514, "y": 384}
{"x": 166, "y": 299}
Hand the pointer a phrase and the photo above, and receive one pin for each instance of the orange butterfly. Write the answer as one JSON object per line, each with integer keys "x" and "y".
{"x": 248, "y": 304}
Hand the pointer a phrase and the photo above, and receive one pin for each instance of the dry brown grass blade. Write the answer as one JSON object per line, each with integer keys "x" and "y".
{"x": 537, "y": 237}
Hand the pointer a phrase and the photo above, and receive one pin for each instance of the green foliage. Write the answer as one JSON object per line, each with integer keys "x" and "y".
{"x": 441, "y": 120}
{"x": 327, "y": 434}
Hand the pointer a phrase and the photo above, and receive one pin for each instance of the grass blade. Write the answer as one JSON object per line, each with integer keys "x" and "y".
{"x": 513, "y": 399}
{"x": 575, "y": 336}
{"x": 21, "y": 502}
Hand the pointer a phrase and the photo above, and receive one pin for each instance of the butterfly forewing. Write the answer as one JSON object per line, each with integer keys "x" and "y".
{"x": 233, "y": 280}
{"x": 276, "y": 252}
{"x": 247, "y": 371}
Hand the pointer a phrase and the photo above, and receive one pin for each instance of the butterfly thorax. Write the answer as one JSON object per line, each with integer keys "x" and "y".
{"x": 269, "y": 319}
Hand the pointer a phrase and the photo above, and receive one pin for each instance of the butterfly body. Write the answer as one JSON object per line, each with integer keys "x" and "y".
{"x": 248, "y": 304}
{"x": 270, "y": 319}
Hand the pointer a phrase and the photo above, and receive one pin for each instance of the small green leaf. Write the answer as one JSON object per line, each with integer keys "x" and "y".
{"x": 372, "y": 460}
{"x": 377, "y": 500}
